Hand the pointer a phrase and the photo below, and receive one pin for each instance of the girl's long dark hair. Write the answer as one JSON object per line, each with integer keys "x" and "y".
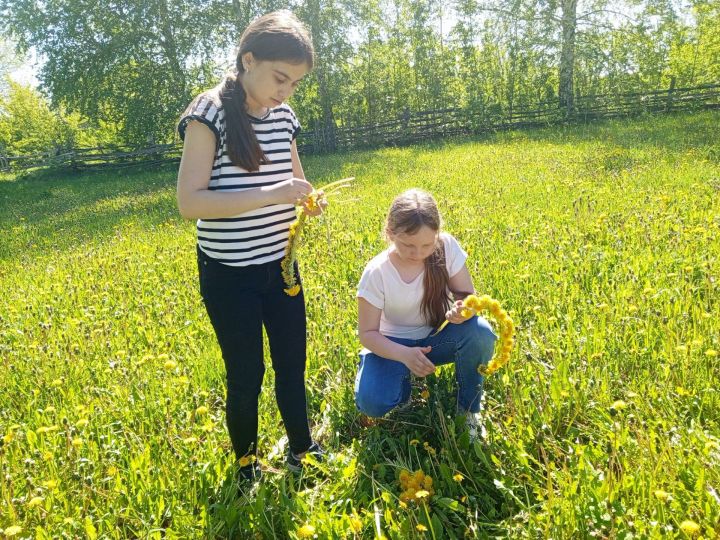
{"x": 408, "y": 213}
{"x": 277, "y": 36}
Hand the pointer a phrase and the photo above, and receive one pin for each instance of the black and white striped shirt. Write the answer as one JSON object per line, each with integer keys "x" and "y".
{"x": 260, "y": 235}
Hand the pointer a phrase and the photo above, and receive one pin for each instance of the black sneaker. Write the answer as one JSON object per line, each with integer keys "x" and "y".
{"x": 249, "y": 473}
{"x": 295, "y": 464}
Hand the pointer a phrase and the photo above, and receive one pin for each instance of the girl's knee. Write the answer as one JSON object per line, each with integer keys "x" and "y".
{"x": 480, "y": 334}
{"x": 375, "y": 408}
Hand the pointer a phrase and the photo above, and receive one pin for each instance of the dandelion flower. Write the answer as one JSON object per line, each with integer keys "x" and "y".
{"x": 422, "y": 494}
{"x": 661, "y": 495}
{"x": 12, "y": 530}
{"x": 306, "y": 531}
{"x": 201, "y": 410}
{"x": 414, "y": 442}
{"x": 35, "y": 501}
{"x": 82, "y": 423}
{"x": 458, "y": 478}
{"x": 77, "y": 442}
{"x": 246, "y": 460}
{"x": 170, "y": 365}
{"x": 420, "y": 527}
{"x": 711, "y": 353}
{"x": 293, "y": 291}
{"x": 355, "y": 524}
{"x": 425, "y": 394}
{"x": 689, "y": 527}
{"x": 618, "y": 405}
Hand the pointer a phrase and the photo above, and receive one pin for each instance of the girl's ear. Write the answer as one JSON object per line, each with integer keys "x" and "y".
{"x": 389, "y": 235}
{"x": 247, "y": 61}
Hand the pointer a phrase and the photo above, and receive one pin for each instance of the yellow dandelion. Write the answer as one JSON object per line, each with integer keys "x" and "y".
{"x": 420, "y": 527}
{"x": 293, "y": 291}
{"x": 681, "y": 349}
{"x": 12, "y": 531}
{"x": 35, "y": 501}
{"x": 422, "y": 494}
{"x": 82, "y": 422}
{"x": 170, "y": 365}
{"x": 50, "y": 484}
{"x": 9, "y": 437}
{"x": 711, "y": 353}
{"x": 689, "y": 527}
{"x": 306, "y": 531}
{"x": 661, "y": 495}
{"x": 425, "y": 394}
{"x": 246, "y": 460}
{"x": 355, "y": 524}
{"x": 189, "y": 440}
{"x": 458, "y": 477}
{"x": 77, "y": 442}
{"x": 618, "y": 405}
{"x": 201, "y": 410}
{"x": 414, "y": 442}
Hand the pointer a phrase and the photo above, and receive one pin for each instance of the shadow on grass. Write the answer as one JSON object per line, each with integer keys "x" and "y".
{"x": 428, "y": 436}
{"x": 51, "y": 211}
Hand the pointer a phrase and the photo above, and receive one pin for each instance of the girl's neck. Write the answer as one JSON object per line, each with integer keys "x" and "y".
{"x": 399, "y": 261}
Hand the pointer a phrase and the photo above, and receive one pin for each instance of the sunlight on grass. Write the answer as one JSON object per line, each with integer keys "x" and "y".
{"x": 600, "y": 241}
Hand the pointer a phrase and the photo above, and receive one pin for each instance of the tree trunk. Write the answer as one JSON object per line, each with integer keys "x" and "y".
{"x": 567, "y": 57}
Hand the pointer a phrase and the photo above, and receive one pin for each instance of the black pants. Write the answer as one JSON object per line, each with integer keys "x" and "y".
{"x": 239, "y": 301}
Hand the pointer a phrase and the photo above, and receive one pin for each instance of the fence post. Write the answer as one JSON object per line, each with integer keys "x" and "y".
{"x": 669, "y": 102}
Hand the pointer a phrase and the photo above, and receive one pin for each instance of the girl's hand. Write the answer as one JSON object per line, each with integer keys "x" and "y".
{"x": 416, "y": 361}
{"x": 455, "y": 314}
{"x": 315, "y": 205}
{"x": 292, "y": 191}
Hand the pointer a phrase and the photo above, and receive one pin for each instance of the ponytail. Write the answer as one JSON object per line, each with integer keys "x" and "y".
{"x": 242, "y": 144}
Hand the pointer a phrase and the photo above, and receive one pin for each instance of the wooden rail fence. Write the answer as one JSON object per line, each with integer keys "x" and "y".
{"x": 409, "y": 127}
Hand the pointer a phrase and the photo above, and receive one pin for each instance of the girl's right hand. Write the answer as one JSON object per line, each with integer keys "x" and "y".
{"x": 293, "y": 191}
{"x": 416, "y": 361}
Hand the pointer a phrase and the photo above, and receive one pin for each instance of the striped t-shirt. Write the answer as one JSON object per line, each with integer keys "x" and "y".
{"x": 260, "y": 235}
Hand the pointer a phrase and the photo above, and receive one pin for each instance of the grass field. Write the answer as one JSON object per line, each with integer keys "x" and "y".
{"x": 602, "y": 241}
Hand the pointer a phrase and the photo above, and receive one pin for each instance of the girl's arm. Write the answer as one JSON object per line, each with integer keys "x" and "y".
{"x": 461, "y": 285}
{"x": 194, "y": 198}
{"x": 296, "y": 164}
{"x": 299, "y": 173}
{"x": 369, "y": 332}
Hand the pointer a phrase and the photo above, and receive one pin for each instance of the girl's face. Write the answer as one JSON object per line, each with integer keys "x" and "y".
{"x": 268, "y": 83}
{"x": 416, "y": 247}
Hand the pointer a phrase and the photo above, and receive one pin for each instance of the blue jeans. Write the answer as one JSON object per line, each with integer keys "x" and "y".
{"x": 382, "y": 384}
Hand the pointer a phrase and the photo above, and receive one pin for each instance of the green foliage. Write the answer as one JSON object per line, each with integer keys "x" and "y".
{"x": 600, "y": 240}
{"x": 135, "y": 65}
{"x": 28, "y": 125}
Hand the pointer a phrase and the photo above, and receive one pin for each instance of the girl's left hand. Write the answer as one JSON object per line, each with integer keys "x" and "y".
{"x": 454, "y": 315}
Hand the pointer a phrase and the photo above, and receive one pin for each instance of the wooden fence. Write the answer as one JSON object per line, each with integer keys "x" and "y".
{"x": 409, "y": 127}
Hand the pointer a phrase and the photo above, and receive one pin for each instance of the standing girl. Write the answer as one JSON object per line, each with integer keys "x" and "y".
{"x": 241, "y": 178}
{"x": 403, "y": 295}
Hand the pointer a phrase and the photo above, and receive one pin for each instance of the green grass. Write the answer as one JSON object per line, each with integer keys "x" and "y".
{"x": 601, "y": 241}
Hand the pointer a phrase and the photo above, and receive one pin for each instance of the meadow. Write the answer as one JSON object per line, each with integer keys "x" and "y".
{"x": 602, "y": 242}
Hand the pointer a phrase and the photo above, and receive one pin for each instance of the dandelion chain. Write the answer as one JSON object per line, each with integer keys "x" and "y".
{"x": 312, "y": 202}
{"x": 473, "y": 305}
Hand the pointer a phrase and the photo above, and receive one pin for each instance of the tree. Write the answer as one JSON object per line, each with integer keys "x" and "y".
{"x": 131, "y": 63}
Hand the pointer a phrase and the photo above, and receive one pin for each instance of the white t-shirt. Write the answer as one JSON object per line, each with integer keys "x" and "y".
{"x": 382, "y": 286}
